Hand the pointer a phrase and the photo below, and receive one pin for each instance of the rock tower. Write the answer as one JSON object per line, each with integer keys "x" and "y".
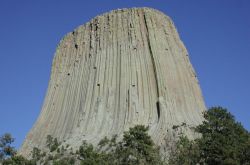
{"x": 122, "y": 68}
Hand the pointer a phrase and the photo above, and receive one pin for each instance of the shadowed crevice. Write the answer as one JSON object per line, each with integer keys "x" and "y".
{"x": 154, "y": 66}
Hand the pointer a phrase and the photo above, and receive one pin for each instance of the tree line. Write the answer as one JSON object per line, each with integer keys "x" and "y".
{"x": 222, "y": 140}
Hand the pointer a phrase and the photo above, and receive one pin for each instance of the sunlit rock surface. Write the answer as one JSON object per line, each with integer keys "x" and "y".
{"x": 122, "y": 68}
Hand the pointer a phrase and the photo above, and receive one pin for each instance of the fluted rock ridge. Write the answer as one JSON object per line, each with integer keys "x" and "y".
{"x": 122, "y": 68}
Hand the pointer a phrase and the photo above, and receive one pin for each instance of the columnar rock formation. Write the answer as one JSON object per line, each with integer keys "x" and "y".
{"x": 122, "y": 68}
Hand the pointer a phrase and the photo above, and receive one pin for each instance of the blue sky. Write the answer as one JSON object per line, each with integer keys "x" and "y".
{"x": 216, "y": 34}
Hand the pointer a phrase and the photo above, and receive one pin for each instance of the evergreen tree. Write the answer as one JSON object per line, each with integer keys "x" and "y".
{"x": 6, "y": 150}
{"x": 223, "y": 141}
{"x": 137, "y": 147}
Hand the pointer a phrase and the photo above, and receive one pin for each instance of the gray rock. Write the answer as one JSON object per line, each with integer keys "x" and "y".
{"x": 122, "y": 68}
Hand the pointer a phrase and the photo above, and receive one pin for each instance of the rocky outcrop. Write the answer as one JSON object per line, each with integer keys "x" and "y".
{"x": 122, "y": 68}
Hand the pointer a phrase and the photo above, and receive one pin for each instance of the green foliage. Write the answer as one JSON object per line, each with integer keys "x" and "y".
{"x": 36, "y": 153}
{"x": 18, "y": 160}
{"x": 186, "y": 153}
{"x": 103, "y": 142}
{"x": 6, "y": 150}
{"x": 52, "y": 143}
{"x": 8, "y": 153}
{"x": 90, "y": 156}
{"x": 137, "y": 147}
{"x": 223, "y": 141}
{"x": 49, "y": 141}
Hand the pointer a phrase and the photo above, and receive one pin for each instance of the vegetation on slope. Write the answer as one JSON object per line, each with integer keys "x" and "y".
{"x": 136, "y": 147}
{"x": 222, "y": 141}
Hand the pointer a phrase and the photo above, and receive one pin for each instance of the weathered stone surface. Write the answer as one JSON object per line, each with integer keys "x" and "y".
{"x": 122, "y": 68}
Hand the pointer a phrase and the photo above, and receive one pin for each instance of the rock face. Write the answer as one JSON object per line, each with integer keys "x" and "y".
{"x": 122, "y": 68}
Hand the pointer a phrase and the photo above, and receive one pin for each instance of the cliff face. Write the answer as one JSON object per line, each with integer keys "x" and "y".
{"x": 122, "y": 68}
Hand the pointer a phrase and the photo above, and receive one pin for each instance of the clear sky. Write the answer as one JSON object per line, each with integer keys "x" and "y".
{"x": 215, "y": 32}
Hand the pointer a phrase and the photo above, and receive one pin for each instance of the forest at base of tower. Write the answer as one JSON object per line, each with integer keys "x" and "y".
{"x": 223, "y": 140}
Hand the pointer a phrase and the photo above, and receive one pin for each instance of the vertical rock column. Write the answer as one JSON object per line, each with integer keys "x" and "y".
{"x": 122, "y": 68}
